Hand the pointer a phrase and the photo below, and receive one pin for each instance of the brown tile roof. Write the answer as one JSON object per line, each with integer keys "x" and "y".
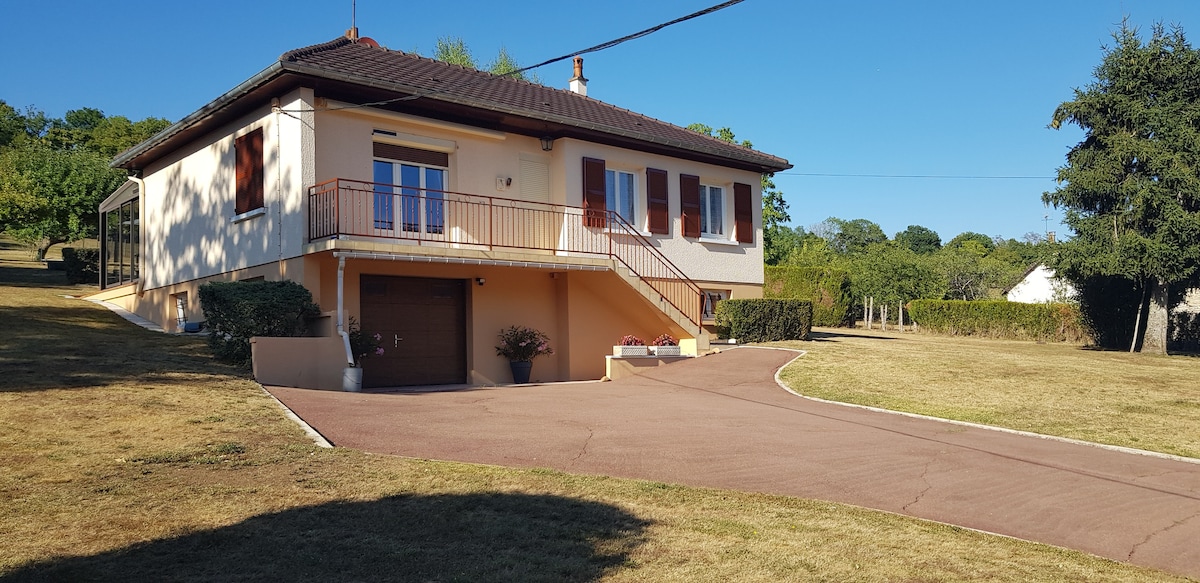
{"x": 360, "y": 62}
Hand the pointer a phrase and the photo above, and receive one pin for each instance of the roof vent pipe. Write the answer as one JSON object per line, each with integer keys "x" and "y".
{"x": 578, "y": 82}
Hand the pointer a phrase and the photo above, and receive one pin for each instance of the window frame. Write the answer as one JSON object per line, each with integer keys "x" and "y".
{"x": 706, "y": 211}
{"x": 430, "y": 218}
{"x": 636, "y": 204}
{"x": 708, "y": 309}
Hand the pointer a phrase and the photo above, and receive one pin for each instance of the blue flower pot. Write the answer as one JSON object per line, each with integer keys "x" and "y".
{"x": 520, "y": 370}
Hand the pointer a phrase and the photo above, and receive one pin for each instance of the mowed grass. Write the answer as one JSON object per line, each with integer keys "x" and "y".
{"x": 1141, "y": 401}
{"x": 127, "y": 455}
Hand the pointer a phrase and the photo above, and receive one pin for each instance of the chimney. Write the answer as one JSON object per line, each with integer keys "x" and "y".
{"x": 578, "y": 82}
{"x": 352, "y": 33}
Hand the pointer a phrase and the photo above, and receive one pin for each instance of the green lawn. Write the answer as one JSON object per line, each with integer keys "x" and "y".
{"x": 127, "y": 455}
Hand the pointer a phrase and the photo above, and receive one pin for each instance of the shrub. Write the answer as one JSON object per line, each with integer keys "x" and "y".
{"x": 518, "y": 344}
{"x": 82, "y": 265}
{"x": 235, "y": 311}
{"x": 827, "y": 289}
{"x": 1000, "y": 319}
{"x": 766, "y": 320}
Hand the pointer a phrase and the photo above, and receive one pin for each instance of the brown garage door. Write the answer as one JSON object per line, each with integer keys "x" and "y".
{"x": 424, "y": 327}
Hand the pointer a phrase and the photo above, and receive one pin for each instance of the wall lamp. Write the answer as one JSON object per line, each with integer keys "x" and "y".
{"x": 480, "y": 281}
{"x": 547, "y": 143}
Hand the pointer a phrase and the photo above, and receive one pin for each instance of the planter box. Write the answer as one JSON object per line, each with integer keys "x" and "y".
{"x": 665, "y": 350}
{"x": 631, "y": 351}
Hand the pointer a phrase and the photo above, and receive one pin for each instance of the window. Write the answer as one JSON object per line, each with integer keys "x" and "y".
{"x": 711, "y": 297}
{"x": 410, "y": 194}
{"x": 620, "y": 194}
{"x": 121, "y": 228}
{"x": 712, "y": 210}
{"x": 248, "y": 150}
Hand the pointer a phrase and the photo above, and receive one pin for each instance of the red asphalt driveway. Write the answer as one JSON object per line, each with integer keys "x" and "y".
{"x": 721, "y": 421}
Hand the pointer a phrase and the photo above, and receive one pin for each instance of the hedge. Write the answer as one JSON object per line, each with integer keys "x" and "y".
{"x": 236, "y": 311}
{"x": 766, "y": 319}
{"x": 1000, "y": 319}
{"x": 827, "y": 289}
{"x": 82, "y": 265}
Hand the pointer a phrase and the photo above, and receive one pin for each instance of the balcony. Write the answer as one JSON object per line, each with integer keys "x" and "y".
{"x": 343, "y": 208}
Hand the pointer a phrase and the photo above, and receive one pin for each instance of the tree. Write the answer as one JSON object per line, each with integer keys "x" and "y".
{"x": 853, "y": 237}
{"x": 892, "y": 273}
{"x": 921, "y": 240}
{"x": 1131, "y": 188}
{"x": 453, "y": 50}
{"x": 981, "y": 242}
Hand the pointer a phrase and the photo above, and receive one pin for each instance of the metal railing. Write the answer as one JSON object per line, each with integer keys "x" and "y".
{"x": 356, "y": 208}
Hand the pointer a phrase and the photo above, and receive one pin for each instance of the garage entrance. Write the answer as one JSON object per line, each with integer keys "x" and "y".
{"x": 423, "y": 323}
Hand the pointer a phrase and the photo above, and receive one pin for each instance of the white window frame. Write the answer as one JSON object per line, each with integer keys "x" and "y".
{"x": 711, "y": 297}
{"x": 706, "y": 212}
{"x": 638, "y": 202}
{"x": 422, "y": 228}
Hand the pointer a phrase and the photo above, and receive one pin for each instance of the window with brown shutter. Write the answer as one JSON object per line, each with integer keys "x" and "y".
{"x": 689, "y": 202}
{"x": 248, "y": 151}
{"x": 406, "y": 154}
{"x": 743, "y": 213}
{"x": 593, "y": 193}
{"x": 656, "y": 201}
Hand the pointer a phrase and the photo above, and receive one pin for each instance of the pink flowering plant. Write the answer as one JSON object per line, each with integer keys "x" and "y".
{"x": 518, "y": 343}
{"x": 631, "y": 340}
{"x": 665, "y": 340}
{"x": 362, "y": 344}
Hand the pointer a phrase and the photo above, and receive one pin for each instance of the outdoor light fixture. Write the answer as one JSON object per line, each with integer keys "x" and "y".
{"x": 547, "y": 143}
{"x": 480, "y": 281}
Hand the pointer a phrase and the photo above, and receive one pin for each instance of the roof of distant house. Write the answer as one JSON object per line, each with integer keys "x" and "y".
{"x": 360, "y": 72}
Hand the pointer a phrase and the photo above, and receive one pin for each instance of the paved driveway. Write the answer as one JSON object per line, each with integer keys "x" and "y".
{"x": 721, "y": 421}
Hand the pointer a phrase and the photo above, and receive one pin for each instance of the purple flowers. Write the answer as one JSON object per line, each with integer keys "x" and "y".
{"x": 518, "y": 343}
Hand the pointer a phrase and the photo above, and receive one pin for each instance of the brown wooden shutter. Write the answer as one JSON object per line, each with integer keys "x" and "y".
{"x": 406, "y": 154}
{"x": 689, "y": 202}
{"x": 743, "y": 213}
{"x": 594, "y": 214}
{"x": 656, "y": 201}
{"x": 248, "y": 151}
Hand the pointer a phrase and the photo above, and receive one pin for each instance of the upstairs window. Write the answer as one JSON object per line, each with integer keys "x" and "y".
{"x": 620, "y": 194}
{"x": 248, "y": 150}
{"x": 712, "y": 210}
{"x": 409, "y": 189}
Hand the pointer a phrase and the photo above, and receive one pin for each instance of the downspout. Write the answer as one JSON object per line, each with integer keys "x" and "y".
{"x": 341, "y": 318}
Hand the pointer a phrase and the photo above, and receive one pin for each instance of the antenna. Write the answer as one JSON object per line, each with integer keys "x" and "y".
{"x": 352, "y": 34}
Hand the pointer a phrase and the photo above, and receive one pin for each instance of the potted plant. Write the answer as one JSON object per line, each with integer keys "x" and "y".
{"x": 665, "y": 345}
{"x": 520, "y": 345}
{"x": 631, "y": 346}
{"x": 362, "y": 346}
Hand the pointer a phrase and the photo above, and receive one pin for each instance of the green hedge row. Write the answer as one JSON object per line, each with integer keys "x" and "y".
{"x": 827, "y": 289}
{"x": 765, "y": 320}
{"x": 1000, "y": 319}
{"x": 236, "y": 311}
{"x": 82, "y": 265}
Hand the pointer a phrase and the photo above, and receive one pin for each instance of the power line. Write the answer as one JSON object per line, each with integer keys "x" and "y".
{"x": 922, "y": 176}
{"x": 593, "y": 49}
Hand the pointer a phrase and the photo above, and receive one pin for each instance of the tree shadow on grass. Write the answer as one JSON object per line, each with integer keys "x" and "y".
{"x": 472, "y": 537}
{"x": 816, "y": 336}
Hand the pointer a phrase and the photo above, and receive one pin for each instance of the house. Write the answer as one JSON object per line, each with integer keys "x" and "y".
{"x": 1040, "y": 285}
{"x": 437, "y": 205}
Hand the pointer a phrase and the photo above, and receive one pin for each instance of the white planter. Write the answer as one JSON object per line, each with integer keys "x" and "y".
{"x": 352, "y": 379}
{"x": 665, "y": 350}
{"x": 631, "y": 351}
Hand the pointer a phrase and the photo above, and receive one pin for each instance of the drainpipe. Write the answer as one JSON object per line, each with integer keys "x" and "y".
{"x": 341, "y": 318}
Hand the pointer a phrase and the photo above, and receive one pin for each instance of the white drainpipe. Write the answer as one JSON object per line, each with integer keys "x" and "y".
{"x": 341, "y": 317}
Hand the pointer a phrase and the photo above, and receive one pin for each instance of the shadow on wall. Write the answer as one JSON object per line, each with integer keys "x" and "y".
{"x": 475, "y": 537}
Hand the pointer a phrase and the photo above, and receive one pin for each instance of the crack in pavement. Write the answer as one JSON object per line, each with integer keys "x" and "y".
{"x": 924, "y": 478}
{"x": 583, "y": 450}
{"x": 1154, "y": 534}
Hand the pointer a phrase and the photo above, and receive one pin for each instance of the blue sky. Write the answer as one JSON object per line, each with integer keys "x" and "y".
{"x": 843, "y": 90}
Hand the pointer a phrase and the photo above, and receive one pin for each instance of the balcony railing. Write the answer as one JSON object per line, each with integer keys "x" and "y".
{"x": 343, "y": 207}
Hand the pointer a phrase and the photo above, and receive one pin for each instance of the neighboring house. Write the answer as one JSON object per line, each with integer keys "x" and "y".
{"x": 438, "y": 205}
{"x": 1039, "y": 285}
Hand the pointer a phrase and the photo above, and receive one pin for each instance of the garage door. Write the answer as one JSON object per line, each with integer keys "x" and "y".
{"x": 423, "y": 323}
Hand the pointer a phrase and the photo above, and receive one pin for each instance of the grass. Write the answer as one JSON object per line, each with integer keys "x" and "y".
{"x": 1134, "y": 400}
{"x": 129, "y": 455}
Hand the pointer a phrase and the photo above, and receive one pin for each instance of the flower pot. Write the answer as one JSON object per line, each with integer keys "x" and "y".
{"x": 666, "y": 350}
{"x": 520, "y": 370}
{"x": 631, "y": 351}
{"x": 352, "y": 379}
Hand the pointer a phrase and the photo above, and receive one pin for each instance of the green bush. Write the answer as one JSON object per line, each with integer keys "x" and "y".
{"x": 1000, "y": 319}
{"x": 235, "y": 311}
{"x": 766, "y": 320}
{"x": 827, "y": 289}
{"x": 82, "y": 265}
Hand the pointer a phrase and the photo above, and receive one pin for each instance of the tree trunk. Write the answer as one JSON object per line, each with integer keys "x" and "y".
{"x": 1157, "y": 318}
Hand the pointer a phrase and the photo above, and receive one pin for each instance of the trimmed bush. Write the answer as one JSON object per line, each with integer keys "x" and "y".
{"x": 766, "y": 320}
{"x": 1000, "y": 319}
{"x": 827, "y": 289}
{"x": 236, "y": 311}
{"x": 82, "y": 265}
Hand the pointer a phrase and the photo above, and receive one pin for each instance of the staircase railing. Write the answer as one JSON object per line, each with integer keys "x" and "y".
{"x": 343, "y": 207}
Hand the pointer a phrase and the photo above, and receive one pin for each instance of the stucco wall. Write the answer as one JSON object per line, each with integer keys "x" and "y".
{"x": 1040, "y": 286}
{"x": 189, "y": 231}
